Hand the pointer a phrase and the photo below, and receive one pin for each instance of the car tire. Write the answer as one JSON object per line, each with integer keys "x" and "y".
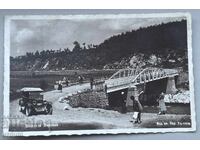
{"x": 28, "y": 111}
{"x": 20, "y": 109}
{"x": 49, "y": 110}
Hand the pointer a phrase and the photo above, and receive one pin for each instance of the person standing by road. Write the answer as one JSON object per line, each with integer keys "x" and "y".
{"x": 137, "y": 108}
{"x": 80, "y": 79}
{"x": 106, "y": 90}
{"x": 66, "y": 81}
{"x": 91, "y": 83}
{"x": 60, "y": 86}
{"x": 162, "y": 106}
{"x": 123, "y": 96}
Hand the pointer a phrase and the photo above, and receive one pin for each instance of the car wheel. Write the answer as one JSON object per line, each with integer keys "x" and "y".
{"x": 20, "y": 109}
{"x": 49, "y": 110}
{"x": 28, "y": 111}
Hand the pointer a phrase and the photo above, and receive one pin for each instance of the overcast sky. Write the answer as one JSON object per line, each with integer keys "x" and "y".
{"x": 33, "y": 35}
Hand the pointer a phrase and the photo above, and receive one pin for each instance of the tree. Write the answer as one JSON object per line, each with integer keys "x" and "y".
{"x": 84, "y": 47}
{"x": 77, "y": 47}
{"x": 67, "y": 50}
{"x": 37, "y": 54}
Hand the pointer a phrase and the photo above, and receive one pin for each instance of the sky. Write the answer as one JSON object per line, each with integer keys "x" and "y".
{"x": 32, "y": 35}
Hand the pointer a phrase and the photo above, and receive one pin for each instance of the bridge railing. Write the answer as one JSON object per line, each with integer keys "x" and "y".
{"x": 153, "y": 74}
{"x": 122, "y": 77}
{"x": 125, "y": 73}
{"x": 118, "y": 82}
{"x": 125, "y": 77}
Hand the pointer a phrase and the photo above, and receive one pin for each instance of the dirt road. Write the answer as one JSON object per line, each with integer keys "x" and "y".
{"x": 55, "y": 94}
{"x": 82, "y": 118}
{"x": 90, "y": 118}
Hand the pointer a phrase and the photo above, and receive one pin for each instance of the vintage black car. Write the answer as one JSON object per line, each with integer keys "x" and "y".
{"x": 32, "y": 102}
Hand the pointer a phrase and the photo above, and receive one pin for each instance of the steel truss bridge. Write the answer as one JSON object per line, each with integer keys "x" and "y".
{"x": 126, "y": 78}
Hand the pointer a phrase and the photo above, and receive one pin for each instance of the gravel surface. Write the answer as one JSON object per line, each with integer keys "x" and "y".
{"x": 78, "y": 118}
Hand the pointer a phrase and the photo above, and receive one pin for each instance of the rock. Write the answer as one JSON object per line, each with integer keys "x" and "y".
{"x": 67, "y": 107}
{"x": 181, "y": 97}
{"x": 61, "y": 99}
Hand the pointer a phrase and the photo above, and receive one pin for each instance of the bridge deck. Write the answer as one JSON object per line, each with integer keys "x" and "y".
{"x": 125, "y": 78}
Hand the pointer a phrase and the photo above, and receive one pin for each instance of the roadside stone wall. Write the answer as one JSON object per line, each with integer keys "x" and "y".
{"x": 88, "y": 99}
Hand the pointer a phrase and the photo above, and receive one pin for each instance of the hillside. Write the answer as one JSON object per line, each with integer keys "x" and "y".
{"x": 164, "y": 45}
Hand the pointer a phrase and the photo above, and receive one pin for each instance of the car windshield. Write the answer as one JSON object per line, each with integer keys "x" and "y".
{"x": 36, "y": 96}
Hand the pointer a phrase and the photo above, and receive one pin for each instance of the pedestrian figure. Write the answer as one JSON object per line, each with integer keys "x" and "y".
{"x": 162, "y": 106}
{"x": 91, "y": 83}
{"x": 137, "y": 108}
{"x": 60, "y": 86}
{"x": 123, "y": 95}
{"x": 141, "y": 96}
{"x": 66, "y": 81}
{"x": 80, "y": 78}
{"x": 105, "y": 88}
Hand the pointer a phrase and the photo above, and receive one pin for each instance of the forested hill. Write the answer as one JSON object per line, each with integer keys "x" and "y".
{"x": 164, "y": 45}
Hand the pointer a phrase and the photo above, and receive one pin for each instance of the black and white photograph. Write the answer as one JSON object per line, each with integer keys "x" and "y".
{"x": 98, "y": 74}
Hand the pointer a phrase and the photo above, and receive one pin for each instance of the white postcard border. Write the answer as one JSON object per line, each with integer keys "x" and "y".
{"x": 6, "y": 132}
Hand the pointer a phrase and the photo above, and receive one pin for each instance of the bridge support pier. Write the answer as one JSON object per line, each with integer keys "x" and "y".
{"x": 132, "y": 91}
{"x": 146, "y": 85}
{"x": 171, "y": 86}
